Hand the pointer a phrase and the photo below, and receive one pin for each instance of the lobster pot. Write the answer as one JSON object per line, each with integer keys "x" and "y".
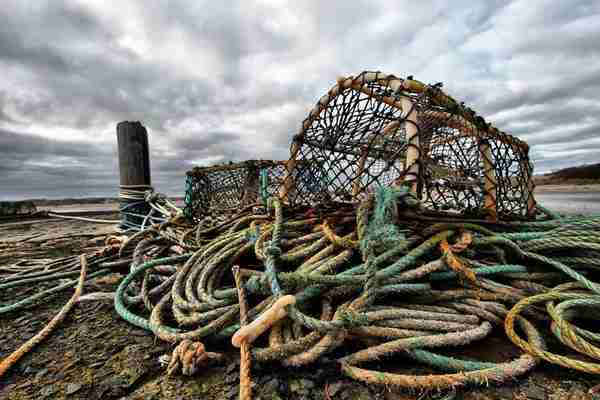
{"x": 375, "y": 130}
{"x": 452, "y": 170}
{"x": 454, "y": 159}
{"x": 471, "y": 170}
{"x": 350, "y": 143}
{"x": 227, "y": 188}
{"x": 514, "y": 177}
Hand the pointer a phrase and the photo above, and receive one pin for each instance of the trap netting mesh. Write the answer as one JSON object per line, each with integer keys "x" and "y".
{"x": 376, "y": 129}
{"x": 226, "y": 188}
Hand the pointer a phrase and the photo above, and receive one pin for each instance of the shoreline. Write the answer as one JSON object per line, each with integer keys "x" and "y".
{"x": 568, "y": 188}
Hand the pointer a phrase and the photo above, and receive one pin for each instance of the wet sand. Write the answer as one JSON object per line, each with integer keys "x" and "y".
{"x": 570, "y": 202}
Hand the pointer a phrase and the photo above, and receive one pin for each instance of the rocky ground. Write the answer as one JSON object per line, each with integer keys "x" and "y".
{"x": 94, "y": 354}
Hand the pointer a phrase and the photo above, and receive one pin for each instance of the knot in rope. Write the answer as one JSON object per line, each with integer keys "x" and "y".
{"x": 272, "y": 250}
{"x": 190, "y": 356}
{"x": 452, "y": 261}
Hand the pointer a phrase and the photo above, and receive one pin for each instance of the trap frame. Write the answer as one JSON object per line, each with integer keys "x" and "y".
{"x": 377, "y": 129}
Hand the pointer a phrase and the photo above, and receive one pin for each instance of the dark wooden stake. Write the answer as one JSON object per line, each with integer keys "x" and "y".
{"x": 134, "y": 166}
{"x": 134, "y": 157}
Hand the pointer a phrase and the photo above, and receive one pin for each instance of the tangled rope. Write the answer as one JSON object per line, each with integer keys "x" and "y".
{"x": 381, "y": 276}
{"x": 318, "y": 278}
{"x": 15, "y": 356}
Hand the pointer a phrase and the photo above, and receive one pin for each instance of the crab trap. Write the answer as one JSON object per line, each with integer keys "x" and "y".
{"x": 375, "y": 130}
{"x": 227, "y": 188}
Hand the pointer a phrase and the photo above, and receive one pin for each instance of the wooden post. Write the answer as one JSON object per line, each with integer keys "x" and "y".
{"x": 489, "y": 179}
{"x": 134, "y": 165}
{"x": 134, "y": 157}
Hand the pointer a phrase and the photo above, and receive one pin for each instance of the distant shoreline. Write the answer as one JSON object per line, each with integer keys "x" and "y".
{"x": 113, "y": 201}
{"x": 568, "y": 188}
{"x": 45, "y": 203}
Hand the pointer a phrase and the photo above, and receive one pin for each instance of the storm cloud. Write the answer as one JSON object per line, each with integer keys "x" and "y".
{"x": 227, "y": 81}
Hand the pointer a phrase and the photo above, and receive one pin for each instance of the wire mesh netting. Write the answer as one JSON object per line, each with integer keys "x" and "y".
{"x": 376, "y": 129}
{"x": 341, "y": 151}
{"x": 222, "y": 189}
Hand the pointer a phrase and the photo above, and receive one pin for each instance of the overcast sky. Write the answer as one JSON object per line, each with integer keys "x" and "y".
{"x": 217, "y": 80}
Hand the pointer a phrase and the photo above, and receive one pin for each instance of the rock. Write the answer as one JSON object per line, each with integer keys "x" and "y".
{"x": 232, "y": 393}
{"x": 534, "y": 391}
{"x": 334, "y": 388}
{"x": 272, "y": 389}
{"x": 302, "y": 387}
{"x": 49, "y": 390}
{"x": 111, "y": 388}
{"x": 72, "y": 388}
{"x": 355, "y": 391}
{"x": 232, "y": 367}
{"x": 131, "y": 364}
{"x": 276, "y": 385}
{"x": 41, "y": 373}
{"x": 308, "y": 384}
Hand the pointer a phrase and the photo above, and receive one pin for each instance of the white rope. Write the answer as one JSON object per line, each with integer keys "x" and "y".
{"x": 99, "y": 221}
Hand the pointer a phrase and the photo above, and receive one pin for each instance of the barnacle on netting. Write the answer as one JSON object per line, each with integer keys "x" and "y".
{"x": 375, "y": 130}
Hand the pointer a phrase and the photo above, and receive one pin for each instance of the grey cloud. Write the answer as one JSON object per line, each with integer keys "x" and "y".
{"x": 220, "y": 81}
{"x": 571, "y": 86}
{"x": 39, "y": 165}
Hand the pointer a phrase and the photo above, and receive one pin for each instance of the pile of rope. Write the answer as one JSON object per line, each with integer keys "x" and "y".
{"x": 378, "y": 275}
{"x": 295, "y": 285}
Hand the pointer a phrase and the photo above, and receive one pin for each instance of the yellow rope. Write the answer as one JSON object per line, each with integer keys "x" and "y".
{"x": 566, "y": 331}
{"x": 346, "y": 241}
